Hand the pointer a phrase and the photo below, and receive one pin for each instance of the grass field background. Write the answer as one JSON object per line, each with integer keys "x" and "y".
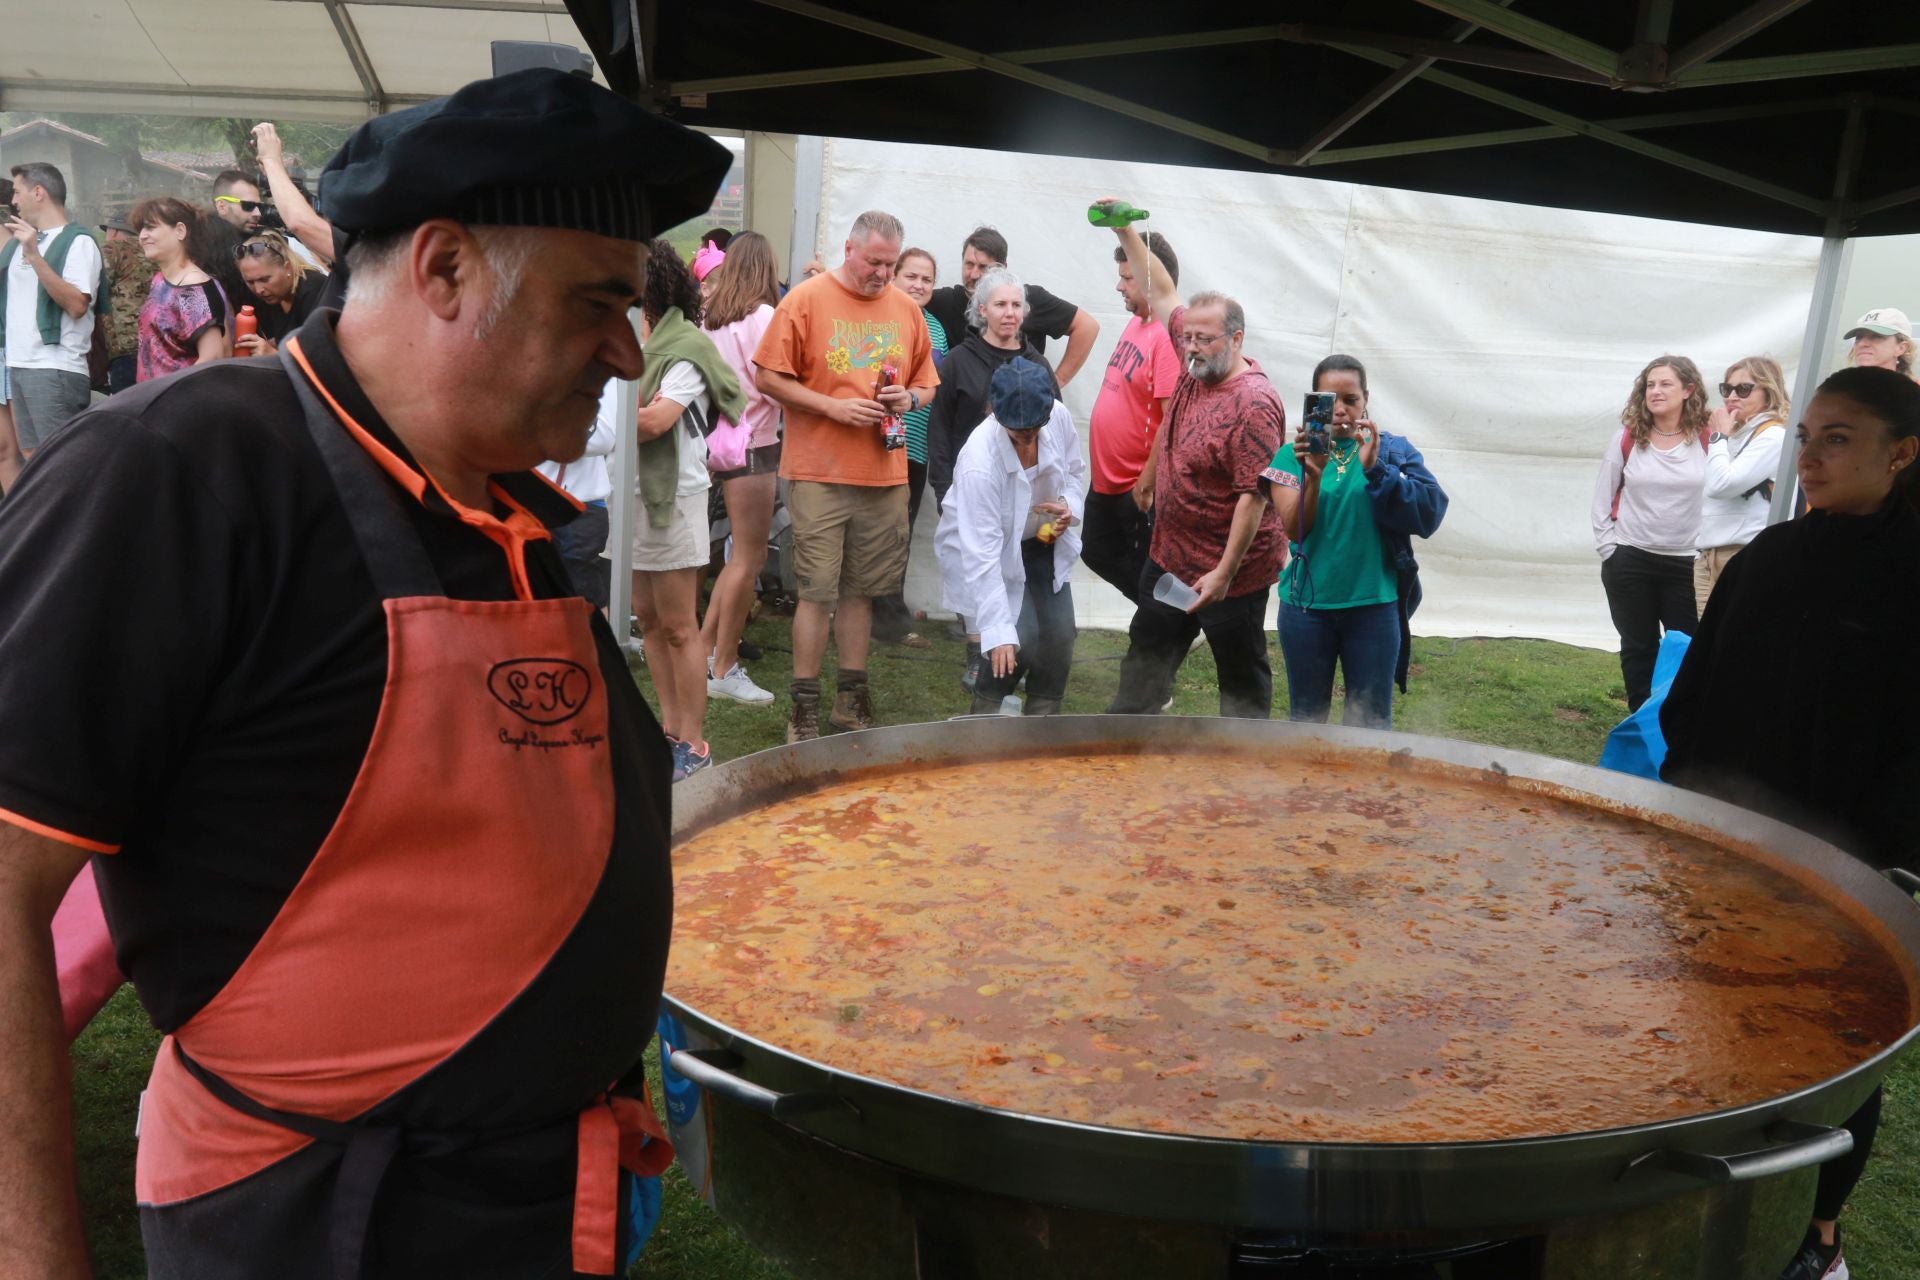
{"x": 1522, "y": 694}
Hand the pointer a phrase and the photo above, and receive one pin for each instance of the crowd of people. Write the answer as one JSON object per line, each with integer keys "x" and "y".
{"x": 158, "y": 289}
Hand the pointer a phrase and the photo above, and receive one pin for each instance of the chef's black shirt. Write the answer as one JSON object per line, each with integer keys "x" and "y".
{"x": 194, "y": 654}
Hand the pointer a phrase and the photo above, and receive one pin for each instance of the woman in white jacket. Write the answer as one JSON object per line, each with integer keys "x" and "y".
{"x": 1743, "y": 457}
{"x": 1009, "y": 534}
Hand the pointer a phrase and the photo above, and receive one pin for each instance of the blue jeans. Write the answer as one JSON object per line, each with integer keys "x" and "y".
{"x": 1364, "y": 640}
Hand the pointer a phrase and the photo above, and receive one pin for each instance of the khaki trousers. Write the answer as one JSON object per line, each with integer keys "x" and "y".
{"x": 1707, "y": 568}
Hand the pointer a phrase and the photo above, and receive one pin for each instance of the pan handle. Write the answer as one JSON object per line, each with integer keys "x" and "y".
{"x": 1801, "y": 1145}
{"x": 1904, "y": 878}
{"x": 712, "y": 1070}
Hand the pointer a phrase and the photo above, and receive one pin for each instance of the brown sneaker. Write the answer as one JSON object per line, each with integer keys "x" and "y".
{"x": 852, "y": 708}
{"x": 803, "y": 722}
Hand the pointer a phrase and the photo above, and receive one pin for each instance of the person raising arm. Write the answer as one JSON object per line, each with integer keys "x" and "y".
{"x": 304, "y": 222}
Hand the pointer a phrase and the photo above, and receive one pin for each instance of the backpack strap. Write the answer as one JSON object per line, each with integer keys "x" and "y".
{"x": 1626, "y": 452}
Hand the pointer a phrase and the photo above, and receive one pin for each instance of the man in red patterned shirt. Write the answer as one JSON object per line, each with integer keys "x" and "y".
{"x": 1214, "y": 527}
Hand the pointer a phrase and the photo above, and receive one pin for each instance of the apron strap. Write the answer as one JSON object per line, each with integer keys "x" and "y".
{"x": 393, "y": 552}
{"x": 367, "y": 1152}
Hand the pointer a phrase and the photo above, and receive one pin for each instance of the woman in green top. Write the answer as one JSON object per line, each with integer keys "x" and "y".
{"x": 1353, "y": 582}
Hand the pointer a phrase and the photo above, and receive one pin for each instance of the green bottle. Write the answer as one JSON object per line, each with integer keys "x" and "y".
{"x": 1114, "y": 213}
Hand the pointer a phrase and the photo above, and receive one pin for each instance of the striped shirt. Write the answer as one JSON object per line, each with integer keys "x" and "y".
{"x": 917, "y": 420}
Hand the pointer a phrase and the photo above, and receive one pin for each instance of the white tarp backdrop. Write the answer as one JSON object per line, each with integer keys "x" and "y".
{"x": 1501, "y": 339}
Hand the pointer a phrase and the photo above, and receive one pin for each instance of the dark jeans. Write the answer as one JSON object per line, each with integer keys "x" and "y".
{"x": 1366, "y": 643}
{"x": 1646, "y": 593}
{"x": 1160, "y": 636}
{"x": 1046, "y": 633}
{"x": 891, "y": 617}
{"x": 121, "y": 371}
{"x": 580, "y": 542}
{"x": 1114, "y": 541}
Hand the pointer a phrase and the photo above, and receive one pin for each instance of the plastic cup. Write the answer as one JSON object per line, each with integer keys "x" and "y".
{"x": 1171, "y": 591}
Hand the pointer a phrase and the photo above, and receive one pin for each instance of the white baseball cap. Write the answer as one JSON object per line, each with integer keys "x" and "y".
{"x": 1884, "y": 321}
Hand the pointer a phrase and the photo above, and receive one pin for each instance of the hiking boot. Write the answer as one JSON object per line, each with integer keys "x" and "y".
{"x": 738, "y": 686}
{"x": 803, "y": 721}
{"x": 852, "y": 708}
{"x": 1817, "y": 1261}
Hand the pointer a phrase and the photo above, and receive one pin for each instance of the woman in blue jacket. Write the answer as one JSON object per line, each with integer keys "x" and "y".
{"x": 1353, "y": 582}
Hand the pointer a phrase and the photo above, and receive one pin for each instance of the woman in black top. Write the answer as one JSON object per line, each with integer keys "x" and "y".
{"x": 287, "y": 288}
{"x": 1799, "y": 697}
{"x": 998, "y": 309}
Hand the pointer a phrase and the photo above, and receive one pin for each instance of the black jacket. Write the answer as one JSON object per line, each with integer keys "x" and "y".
{"x": 965, "y": 378}
{"x": 1799, "y": 697}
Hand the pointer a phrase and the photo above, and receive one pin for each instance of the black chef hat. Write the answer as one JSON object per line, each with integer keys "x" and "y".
{"x": 536, "y": 148}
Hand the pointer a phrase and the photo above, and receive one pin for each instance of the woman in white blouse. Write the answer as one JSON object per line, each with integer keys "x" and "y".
{"x": 1646, "y": 514}
{"x": 1743, "y": 457}
{"x": 1009, "y": 534}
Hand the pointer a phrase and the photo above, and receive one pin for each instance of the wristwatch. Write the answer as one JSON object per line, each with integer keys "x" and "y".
{"x": 1716, "y": 437}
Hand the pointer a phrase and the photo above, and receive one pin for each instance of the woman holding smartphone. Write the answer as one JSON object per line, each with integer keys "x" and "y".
{"x": 1799, "y": 694}
{"x": 1353, "y": 583}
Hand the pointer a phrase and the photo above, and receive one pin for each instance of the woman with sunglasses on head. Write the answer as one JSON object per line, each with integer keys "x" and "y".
{"x": 187, "y": 315}
{"x": 1743, "y": 456}
{"x": 288, "y": 291}
{"x": 1646, "y": 514}
{"x": 1353, "y": 583}
{"x": 1799, "y": 696}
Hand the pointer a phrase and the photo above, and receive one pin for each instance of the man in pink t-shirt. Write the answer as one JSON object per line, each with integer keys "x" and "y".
{"x": 1139, "y": 378}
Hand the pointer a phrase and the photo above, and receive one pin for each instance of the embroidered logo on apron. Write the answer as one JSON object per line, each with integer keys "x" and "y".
{"x": 541, "y": 691}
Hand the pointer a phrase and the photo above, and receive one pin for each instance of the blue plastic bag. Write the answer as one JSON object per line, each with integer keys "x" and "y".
{"x": 1636, "y": 744}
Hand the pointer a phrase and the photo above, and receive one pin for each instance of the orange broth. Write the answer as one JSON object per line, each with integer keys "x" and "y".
{"x": 1272, "y": 948}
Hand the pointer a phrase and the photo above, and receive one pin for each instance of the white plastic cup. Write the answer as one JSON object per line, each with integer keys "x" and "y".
{"x": 1171, "y": 591}
{"x": 1010, "y": 705}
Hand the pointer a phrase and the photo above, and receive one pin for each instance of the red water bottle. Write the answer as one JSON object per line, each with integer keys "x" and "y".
{"x": 246, "y": 324}
{"x": 893, "y": 432}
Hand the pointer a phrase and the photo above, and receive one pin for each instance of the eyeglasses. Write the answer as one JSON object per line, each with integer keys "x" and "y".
{"x": 1741, "y": 389}
{"x": 1201, "y": 339}
{"x": 250, "y": 206}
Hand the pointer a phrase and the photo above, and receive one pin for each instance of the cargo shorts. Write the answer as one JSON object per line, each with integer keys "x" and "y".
{"x": 849, "y": 540}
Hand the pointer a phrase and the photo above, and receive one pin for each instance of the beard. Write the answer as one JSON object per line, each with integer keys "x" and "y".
{"x": 1210, "y": 370}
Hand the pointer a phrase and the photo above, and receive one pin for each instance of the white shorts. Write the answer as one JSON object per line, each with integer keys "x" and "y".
{"x": 682, "y": 544}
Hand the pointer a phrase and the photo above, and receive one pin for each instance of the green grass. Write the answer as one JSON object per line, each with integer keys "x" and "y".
{"x": 1524, "y": 694}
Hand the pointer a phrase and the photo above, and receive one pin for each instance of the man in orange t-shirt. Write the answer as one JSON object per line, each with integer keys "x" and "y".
{"x": 821, "y": 360}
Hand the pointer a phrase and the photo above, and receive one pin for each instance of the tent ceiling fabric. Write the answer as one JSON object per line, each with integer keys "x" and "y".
{"x": 1738, "y": 112}
{"x": 273, "y": 59}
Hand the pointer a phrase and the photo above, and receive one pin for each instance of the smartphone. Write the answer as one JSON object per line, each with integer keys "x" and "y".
{"x": 1318, "y": 417}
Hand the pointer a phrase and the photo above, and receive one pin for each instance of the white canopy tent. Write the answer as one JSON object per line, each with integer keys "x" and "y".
{"x": 270, "y": 59}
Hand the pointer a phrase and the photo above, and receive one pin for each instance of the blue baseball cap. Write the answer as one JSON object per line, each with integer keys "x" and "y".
{"x": 1021, "y": 394}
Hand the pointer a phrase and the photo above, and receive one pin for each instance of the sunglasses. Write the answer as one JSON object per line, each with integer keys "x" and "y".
{"x": 258, "y": 249}
{"x": 1741, "y": 389}
{"x": 250, "y": 206}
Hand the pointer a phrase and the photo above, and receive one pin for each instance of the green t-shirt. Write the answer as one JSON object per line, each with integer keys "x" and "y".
{"x": 1343, "y": 562}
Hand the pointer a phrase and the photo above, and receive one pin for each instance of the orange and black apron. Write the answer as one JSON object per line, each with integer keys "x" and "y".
{"x": 393, "y": 1082}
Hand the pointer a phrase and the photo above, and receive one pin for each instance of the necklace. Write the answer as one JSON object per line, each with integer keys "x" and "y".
{"x": 1677, "y": 431}
{"x": 1344, "y": 459}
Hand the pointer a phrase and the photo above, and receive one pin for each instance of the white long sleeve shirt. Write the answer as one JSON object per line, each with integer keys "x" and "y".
{"x": 587, "y": 477}
{"x": 989, "y": 512}
{"x": 1660, "y": 499}
{"x": 1734, "y": 466}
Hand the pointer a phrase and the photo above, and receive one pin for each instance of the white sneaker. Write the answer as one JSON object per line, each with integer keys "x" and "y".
{"x": 738, "y": 686}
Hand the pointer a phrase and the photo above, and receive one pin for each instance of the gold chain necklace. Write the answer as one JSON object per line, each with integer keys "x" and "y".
{"x": 1341, "y": 461}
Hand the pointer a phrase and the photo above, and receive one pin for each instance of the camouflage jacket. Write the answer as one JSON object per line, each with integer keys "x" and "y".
{"x": 131, "y": 274}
